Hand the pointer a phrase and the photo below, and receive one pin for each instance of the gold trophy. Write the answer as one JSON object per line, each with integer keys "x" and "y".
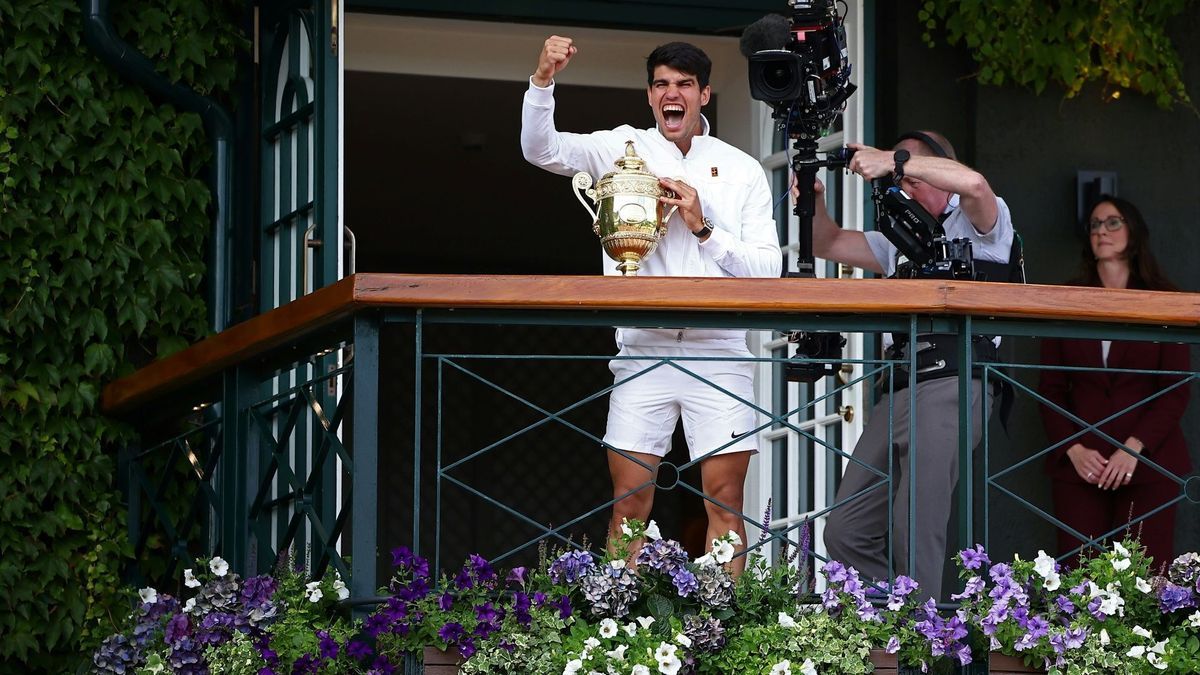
{"x": 630, "y": 221}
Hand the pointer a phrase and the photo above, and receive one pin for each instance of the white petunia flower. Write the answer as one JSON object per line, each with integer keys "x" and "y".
{"x": 631, "y": 629}
{"x": 786, "y": 621}
{"x": 669, "y": 666}
{"x": 1159, "y": 647}
{"x": 705, "y": 560}
{"x": 665, "y": 650}
{"x": 342, "y": 591}
{"x": 573, "y": 666}
{"x": 148, "y": 595}
{"x": 312, "y": 591}
{"x": 625, "y": 528}
{"x": 807, "y": 668}
{"x": 1142, "y": 632}
{"x": 1137, "y": 652}
{"x": 1142, "y": 585}
{"x": 1121, "y": 550}
{"x": 189, "y": 579}
{"x": 722, "y": 551}
{"x": 683, "y": 640}
{"x": 652, "y": 531}
{"x": 640, "y": 670}
{"x": 617, "y": 564}
{"x": 734, "y": 538}
{"x": 189, "y": 606}
{"x": 1121, "y": 564}
{"x": 608, "y": 628}
{"x": 591, "y": 643}
{"x": 617, "y": 654}
{"x": 218, "y": 566}
{"x": 1043, "y": 564}
{"x": 1104, "y": 639}
{"x": 1053, "y": 581}
{"x": 782, "y": 668}
{"x": 1194, "y": 620}
{"x": 1156, "y": 661}
{"x": 645, "y": 621}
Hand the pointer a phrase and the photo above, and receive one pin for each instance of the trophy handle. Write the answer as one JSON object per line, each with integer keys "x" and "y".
{"x": 674, "y": 207}
{"x": 582, "y": 181}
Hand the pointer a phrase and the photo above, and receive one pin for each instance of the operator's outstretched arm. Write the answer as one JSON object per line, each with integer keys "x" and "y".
{"x": 831, "y": 242}
{"x": 976, "y": 197}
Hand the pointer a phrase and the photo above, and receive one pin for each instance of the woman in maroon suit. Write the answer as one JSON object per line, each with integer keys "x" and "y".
{"x": 1098, "y": 486}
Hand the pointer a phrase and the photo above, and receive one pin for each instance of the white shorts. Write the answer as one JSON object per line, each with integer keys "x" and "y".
{"x": 643, "y": 411}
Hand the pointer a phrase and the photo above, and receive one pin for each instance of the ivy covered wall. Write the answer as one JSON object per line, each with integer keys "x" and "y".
{"x": 102, "y": 227}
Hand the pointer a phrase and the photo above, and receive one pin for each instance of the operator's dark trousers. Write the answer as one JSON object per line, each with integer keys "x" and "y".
{"x": 857, "y": 531}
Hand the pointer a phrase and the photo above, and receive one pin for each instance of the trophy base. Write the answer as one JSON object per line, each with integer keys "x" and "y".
{"x": 629, "y": 267}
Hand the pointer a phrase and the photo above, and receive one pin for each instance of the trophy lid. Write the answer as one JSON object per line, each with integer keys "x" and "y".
{"x": 630, "y": 164}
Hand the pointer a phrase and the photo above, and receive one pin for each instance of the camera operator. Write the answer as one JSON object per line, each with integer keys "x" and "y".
{"x": 724, "y": 228}
{"x": 923, "y": 165}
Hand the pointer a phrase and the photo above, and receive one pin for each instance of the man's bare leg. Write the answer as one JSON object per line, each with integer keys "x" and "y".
{"x": 628, "y": 475}
{"x": 724, "y": 479}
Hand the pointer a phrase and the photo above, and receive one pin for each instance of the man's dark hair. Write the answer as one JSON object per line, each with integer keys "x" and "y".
{"x": 682, "y": 56}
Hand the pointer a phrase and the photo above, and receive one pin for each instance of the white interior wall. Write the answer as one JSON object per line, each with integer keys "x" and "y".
{"x": 508, "y": 51}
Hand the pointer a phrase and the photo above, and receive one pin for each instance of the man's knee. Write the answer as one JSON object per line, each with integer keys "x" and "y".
{"x": 633, "y": 504}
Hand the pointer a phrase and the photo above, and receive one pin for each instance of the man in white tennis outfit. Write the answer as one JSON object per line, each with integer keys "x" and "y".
{"x": 724, "y": 228}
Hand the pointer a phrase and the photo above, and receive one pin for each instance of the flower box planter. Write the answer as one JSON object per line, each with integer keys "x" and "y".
{"x": 441, "y": 662}
{"x": 1008, "y": 665}
{"x": 998, "y": 664}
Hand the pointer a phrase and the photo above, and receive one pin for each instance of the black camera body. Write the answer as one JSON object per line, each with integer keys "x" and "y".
{"x": 920, "y": 237}
{"x": 806, "y": 80}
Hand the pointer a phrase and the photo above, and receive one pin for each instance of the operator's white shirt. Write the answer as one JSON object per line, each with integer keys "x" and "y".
{"x": 731, "y": 186}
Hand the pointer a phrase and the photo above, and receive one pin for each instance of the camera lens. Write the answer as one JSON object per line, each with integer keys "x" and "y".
{"x": 778, "y": 77}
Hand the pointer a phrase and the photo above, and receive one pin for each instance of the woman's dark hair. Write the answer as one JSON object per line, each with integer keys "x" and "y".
{"x": 1144, "y": 272}
{"x": 682, "y": 56}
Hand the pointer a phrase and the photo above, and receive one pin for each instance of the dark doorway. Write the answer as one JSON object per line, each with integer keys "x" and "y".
{"x": 435, "y": 183}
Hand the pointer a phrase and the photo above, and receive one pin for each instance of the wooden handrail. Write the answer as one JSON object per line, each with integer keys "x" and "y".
{"x": 802, "y": 296}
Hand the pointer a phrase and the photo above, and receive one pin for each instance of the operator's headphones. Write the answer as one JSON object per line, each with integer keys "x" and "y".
{"x": 926, "y": 140}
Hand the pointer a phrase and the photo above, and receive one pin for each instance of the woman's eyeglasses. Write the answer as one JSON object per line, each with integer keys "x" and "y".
{"x": 1111, "y": 223}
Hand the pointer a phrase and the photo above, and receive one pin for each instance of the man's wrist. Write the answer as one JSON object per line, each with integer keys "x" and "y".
{"x": 1135, "y": 444}
{"x": 706, "y": 229}
{"x": 541, "y": 82}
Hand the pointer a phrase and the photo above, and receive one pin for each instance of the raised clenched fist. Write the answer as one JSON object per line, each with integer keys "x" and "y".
{"x": 556, "y": 53}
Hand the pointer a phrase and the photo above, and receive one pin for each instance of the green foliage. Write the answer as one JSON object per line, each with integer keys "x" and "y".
{"x": 810, "y": 642}
{"x": 102, "y": 227}
{"x": 1121, "y": 43}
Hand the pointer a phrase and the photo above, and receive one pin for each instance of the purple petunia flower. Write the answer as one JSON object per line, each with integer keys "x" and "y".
{"x": 835, "y": 572}
{"x": 481, "y": 569}
{"x": 451, "y": 632}
{"x": 446, "y": 601}
{"x": 518, "y": 576}
{"x": 564, "y": 607}
{"x": 467, "y": 648}
{"x": 327, "y": 647}
{"x": 973, "y": 558}
{"x": 381, "y": 666}
{"x": 1064, "y": 605}
{"x": 404, "y": 560}
{"x": 359, "y": 650}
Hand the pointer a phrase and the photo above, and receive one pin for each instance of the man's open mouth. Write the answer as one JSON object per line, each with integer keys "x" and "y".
{"x": 672, "y": 115}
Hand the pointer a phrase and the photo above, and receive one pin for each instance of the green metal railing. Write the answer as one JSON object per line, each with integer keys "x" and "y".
{"x": 247, "y": 476}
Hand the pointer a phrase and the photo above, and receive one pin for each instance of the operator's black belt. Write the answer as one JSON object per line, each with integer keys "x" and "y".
{"x": 937, "y": 357}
